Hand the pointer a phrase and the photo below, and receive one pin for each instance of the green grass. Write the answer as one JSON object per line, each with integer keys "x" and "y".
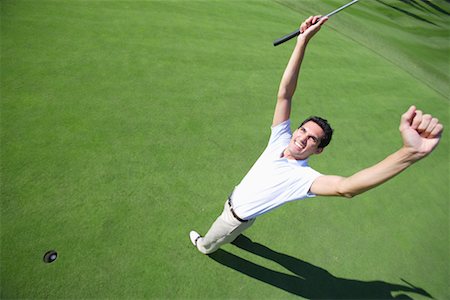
{"x": 125, "y": 124}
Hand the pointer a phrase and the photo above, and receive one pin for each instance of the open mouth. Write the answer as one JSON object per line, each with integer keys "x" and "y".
{"x": 299, "y": 145}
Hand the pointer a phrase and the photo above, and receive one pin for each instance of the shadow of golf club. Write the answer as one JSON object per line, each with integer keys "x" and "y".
{"x": 308, "y": 281}
{"x": 436, "y": 7}
{"x": 422, "y": 5}
{"x": 407, "y": 12}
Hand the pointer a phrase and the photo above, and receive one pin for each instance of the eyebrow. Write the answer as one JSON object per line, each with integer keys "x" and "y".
{"x": 315, "y": 138}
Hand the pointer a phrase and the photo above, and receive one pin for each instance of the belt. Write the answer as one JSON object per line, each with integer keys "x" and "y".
{"x": 234, "y": 214}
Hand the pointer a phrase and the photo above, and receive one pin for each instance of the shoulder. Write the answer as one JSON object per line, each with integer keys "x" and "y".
{"x": 306, "y": 169}
{"x": 282, "y": 125}
{"x": 281, "y": 133}
{"x": 281, "y": 129}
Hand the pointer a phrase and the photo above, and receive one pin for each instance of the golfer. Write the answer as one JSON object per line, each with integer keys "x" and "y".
{"x": 282, "y": 174}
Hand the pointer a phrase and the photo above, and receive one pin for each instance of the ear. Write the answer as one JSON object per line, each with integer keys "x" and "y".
{"x": 318, "y": 151}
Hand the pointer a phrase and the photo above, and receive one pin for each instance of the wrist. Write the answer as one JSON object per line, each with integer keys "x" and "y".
{"x": 302, "y": 40}
{"x": 409, "y": 155}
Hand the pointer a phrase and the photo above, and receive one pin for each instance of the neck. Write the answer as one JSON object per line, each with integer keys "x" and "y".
{"x": 287, "y": 154}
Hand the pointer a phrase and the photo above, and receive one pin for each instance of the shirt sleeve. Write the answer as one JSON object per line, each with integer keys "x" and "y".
{"x": 281, "y": 133}
{"x": 313, "y": 174}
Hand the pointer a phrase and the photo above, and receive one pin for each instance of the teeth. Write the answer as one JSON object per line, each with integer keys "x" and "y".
{"x": 300, "y": 146}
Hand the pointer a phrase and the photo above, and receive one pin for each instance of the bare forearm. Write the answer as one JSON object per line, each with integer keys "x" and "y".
{"x": 290, "y": 76}
{"x": 379, "y": 173}
{"x": 421, "y": 134}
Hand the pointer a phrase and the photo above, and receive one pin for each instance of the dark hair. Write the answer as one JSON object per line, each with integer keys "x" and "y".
{"x": 328, "y": 131}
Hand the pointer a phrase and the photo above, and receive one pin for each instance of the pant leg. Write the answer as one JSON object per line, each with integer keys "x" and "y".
{"x": 224, "y": 230}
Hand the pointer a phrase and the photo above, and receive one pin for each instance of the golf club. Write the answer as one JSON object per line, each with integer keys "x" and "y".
{"x": 297, "y": 32}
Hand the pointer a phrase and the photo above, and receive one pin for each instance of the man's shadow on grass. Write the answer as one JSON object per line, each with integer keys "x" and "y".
{"x": 309, "y": 281}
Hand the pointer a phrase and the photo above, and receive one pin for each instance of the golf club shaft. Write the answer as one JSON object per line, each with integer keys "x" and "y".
{"x": 297, "y": 32}
{"x": 341, "y": 8}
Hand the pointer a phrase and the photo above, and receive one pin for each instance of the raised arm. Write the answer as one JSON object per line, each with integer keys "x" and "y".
{"x": 420, "y": 132}
{"x": 289, "y": 80}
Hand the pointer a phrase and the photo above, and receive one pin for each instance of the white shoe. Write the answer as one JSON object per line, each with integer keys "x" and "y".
{"x": 194, "y": 236}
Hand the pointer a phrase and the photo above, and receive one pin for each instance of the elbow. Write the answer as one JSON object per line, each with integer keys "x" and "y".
{"x": 283, "y": 98}
{"x": 346, "y": 193}
{"x": 345, "y": 189}
{"x": 284, "y": 94}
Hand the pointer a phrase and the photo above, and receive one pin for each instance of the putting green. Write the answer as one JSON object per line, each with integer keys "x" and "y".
{"x": 125, "y": 124}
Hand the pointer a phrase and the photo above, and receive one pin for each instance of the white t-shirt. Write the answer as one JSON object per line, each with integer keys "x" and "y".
{"x": 273, "y": 181}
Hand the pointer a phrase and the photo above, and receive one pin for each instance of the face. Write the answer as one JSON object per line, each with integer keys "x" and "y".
{"x": 305, "y": 142}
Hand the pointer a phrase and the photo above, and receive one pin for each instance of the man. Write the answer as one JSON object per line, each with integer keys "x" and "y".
{"x": 282, "y": 174}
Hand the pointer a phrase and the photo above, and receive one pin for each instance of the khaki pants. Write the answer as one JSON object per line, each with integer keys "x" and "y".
{"x": 224, "y": 230}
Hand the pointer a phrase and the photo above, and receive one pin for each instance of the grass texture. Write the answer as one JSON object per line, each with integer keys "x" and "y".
{"x": 125, "y": 124}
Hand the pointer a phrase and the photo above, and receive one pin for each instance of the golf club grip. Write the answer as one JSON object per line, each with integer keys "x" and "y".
{"x": 286, "y": 37}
